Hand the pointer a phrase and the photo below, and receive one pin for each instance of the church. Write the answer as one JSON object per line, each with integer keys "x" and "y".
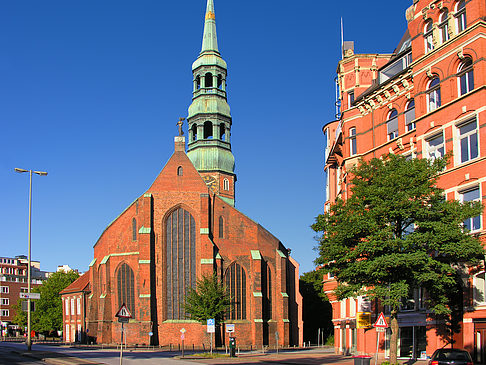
{"x": 185, "y": 226}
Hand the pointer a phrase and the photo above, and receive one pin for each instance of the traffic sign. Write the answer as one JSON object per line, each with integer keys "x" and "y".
{"x": 230, "y": 328}
{"x": 211, "y": 328}
{"x": 123, "y": 312}
{"x": 182, "y": 336}
{"x": 380, "y": 329}
{"x": 381, "y": 322}
{"x": 183, "y": 330}
{"x": 29, "y": 295}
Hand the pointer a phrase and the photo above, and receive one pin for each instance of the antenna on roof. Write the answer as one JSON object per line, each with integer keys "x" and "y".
{"x": 342, "y": 39}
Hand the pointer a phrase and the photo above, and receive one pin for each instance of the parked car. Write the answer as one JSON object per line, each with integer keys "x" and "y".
{"x": 451, "y": 357}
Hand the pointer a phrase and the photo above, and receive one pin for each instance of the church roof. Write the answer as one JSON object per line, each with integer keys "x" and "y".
{"x": 210, "y": 39}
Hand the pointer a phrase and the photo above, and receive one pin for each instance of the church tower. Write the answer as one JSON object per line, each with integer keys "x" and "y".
{"x": 209, "y": 118}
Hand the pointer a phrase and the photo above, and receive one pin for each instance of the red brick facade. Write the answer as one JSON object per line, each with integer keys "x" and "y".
{"x": 426, "y": 99}
{"x": 74, "y": 299}
{"x": 271, "y": 275}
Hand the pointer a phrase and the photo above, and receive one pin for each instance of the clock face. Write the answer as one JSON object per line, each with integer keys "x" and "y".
{"x": 211, "y": 182}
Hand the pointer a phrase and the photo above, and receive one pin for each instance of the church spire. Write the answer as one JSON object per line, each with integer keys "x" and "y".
{"x": 210, "y": 39}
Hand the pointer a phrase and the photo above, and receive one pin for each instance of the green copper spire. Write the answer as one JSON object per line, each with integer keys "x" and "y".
{"x": 209, "y": 118}
{"x": 210, "y": 39}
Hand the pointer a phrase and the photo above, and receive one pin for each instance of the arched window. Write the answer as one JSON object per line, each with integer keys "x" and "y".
{"x": 428, "y": 36}
{"x": 444, "y": 25}
{"x": 461, "y": 21}
{"x": 226, "y": 184}
{"x": 410, "y": 115}
{"x": 180, "y": 231}
{"x": 220, "y": 82}
{"x": 235, "y": 280}
{"x": 194, "y": 132}
{"x": 466, "y": 76}
{"x": 100, "y": 279}
{"x": 221, "y": 227}
{"x": 392, "y": 125}
{"x": 267, "y": 291}
{"x": 180, "y": 171}
{"x": 480, "y": 288}
{"x": 198, "y": 82}
{"x": 134, "y": 229}
{"x": 208, "y": 80}
{"x": 208, "y": 130}
{"x": 222, "y": 132}
{"x": 433, "y": 94}
{"x": 353, "y": 147}
{"x": 126, "y": 288}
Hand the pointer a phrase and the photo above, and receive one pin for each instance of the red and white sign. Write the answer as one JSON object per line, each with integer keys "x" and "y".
{"x": 123, "y": 312}
{"x": 381, "y": 321}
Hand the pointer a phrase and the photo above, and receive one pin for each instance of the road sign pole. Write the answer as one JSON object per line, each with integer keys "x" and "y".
{"x": 377, "y": 345}
{"x": 121, "y": 346}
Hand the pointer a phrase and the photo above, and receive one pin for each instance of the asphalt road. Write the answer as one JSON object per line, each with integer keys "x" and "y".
{"x": 9, "y": 357}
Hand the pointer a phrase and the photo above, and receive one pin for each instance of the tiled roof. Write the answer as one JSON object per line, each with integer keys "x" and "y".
{"x": 79, "y": 285}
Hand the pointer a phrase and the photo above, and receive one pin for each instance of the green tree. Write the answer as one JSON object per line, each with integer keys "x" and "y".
{"x": 317, "y": 311}
{"x": 397, "y": 232}
{"x": 209, "y": 300}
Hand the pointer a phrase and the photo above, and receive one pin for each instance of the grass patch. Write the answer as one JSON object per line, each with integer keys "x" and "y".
{"x": 208, "y": 355}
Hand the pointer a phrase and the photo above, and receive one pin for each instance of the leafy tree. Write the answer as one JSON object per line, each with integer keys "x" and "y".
{"x": 209, "y": 300}
{"x": 317, "y": 311}
{"x": 397, "y": 232}
{"x": 48, "y": 309}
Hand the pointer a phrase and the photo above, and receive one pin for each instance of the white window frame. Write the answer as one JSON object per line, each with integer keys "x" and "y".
{"x": 5, "y": 312}
{"x": 394, "y": 133}
{"x": 461, "y": 19}
{"x": 353, "y": 146}
{"x": 4, "y": 289}
{"x": 409, "y": 119}
{"x": 226, "y": 184}
{"x": 4, "y": 301}
{"x": 429, "y": 36}
{"x": 444, "y": 25}
{"x": 72, "y": 307}
{"x": 66, "y": 302}
{"x": 67, "y": 333}
{"x": 465, "y": 72}
{"x": 480, "y": 287}
{"x": 433, "y": 95}
{"x": 432, "y": 150}
{"x": 343, "y": 309}
{"x": 467, "y": 135}
{"x": 78, "y": 305}
{"x": 478, "y": 199}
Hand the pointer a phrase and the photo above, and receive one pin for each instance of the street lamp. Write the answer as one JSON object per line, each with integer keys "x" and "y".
{"x": 40, "y": 173}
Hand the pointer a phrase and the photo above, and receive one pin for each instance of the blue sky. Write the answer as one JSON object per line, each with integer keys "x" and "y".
{"x": 90, "y": 91}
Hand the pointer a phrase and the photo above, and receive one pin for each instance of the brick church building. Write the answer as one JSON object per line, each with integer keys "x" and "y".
{"x": 186, "y": 225}
{"x": 424, "y": 100}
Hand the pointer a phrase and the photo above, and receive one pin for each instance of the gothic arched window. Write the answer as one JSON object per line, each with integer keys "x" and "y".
{"x": 134, "y": 229}
{"x": 126, "y": 288}
{"x": 235, "y": 280}
{"x": 267, "y": 291}
{"x": 180, "y": 230}
{"x": 226, "y": 185}
{"x": 221, "y": 227}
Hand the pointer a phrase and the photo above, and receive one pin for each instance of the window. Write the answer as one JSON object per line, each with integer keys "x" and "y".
{"x": 350, "y": 99}
{"x": 433, "y": 94}
{"x": 435, "y": 146}
{"x": 208, "y": 130}
{"x": 235, "y": 280}
{"x": 24, "y": 290}
{"x": 410, "y": 115}
{"x": 67, "y": 333}
{"x": 352, "y": 141}
{"x": 5, "y": 301}
{"x": 468, "y": 135}
{"x": 78, "y": 305}
{"x": 221, "y": 227}
{"x": 429, "y": 36}
{"x": 180, "y": 231}
{"x": 134, "y": 229}
{"x": 180, "y": 171}
{"x": 461, "y": 22}
{"x": 392, "y": 125}
{"x": 226, "y": 184}
{"x": 126, "y": 288}
{"x": 267, "y": 292}
{"x": 5, "y": 313}
{"x": 194, "y": 132}
{"x": 466, "y": 77}
{"x": 208, "y": 80}
{"x": 66, "y": 302}
{"x": 72, "y": 307}
{"x": 4, "y": 289}
{"x": 444, "y": 25}
{"x": 479, "y": 288}
{"x": 471, "y": 195}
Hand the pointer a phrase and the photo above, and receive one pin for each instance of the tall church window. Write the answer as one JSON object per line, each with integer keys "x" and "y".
{"x": 267, "y": 291}
{"x": 461, "y": 21}
{"x": 134, "y": 229}
{"x": 392, "y": 125}
{"x": 126, "y": 288}
{"x": 226, "y": 185}
{"x": 221, "y": 227}
{"x": 466, "y": 77}
{"x": 181, "y": 260}
{"x": 444, "y": 25}
{"x": 208, "y": 80}
{"x": 428, "y": 36}
{"x": 208, "y": 130}
{"x": 235, "y": 281}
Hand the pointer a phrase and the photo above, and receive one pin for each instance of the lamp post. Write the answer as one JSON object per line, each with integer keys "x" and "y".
{"x": 40, "y": 173}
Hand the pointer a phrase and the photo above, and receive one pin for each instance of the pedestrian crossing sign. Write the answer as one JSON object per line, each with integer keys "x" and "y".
{"x": 381, "y": 321}
{"x": 123, "y": 312}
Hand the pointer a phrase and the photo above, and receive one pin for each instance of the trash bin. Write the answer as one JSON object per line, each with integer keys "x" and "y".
{"x": 232, "y": 346}
{"x": 362, "y": 360}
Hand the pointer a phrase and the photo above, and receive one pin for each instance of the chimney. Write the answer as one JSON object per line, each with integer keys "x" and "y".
{"x": 180, "y": 144}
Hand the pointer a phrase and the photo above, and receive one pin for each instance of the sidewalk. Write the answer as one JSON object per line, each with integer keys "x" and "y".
{"x": 55, "y": 358}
